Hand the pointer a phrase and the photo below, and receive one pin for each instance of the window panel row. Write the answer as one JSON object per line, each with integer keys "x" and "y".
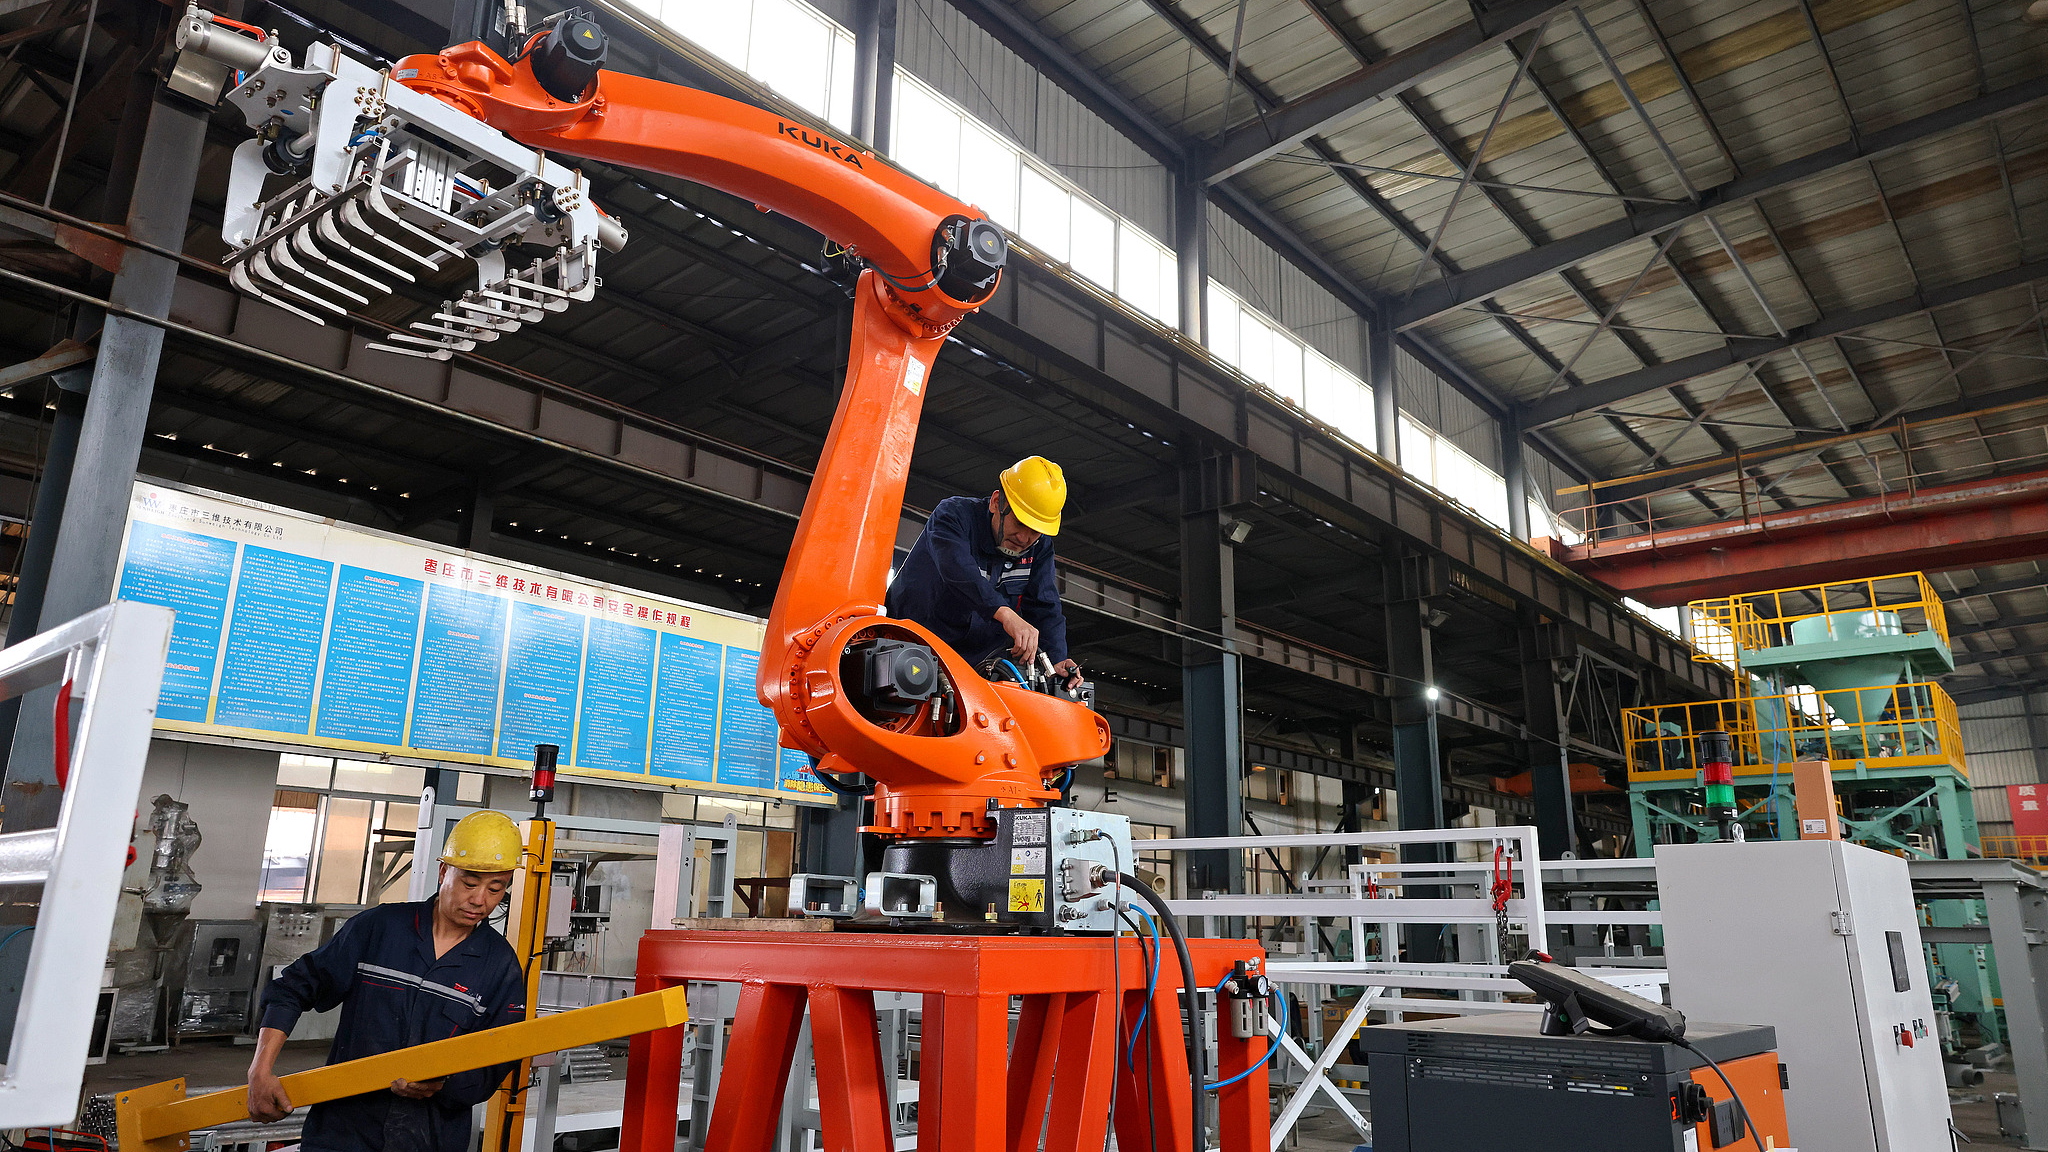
{"x": 1267, "y": 352}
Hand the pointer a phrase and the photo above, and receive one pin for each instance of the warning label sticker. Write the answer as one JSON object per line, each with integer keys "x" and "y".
{"x": 1027, "y": 895}
{"x": 1027, "y": 861}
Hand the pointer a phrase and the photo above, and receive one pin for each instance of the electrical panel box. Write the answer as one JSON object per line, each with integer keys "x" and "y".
{"x": 561, "y": 902}
{"x": 1062, "y": 867}
{"x": 1493, "y": 1081}
{"x": 1820, "y": 940}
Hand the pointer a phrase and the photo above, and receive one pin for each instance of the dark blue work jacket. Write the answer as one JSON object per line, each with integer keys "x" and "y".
{"x": 956, "y": 577}
{"x": 394, "y": 993}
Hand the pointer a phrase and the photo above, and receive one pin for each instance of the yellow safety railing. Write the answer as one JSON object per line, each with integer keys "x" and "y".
{"x": 1901, "y": 726}
{"x": 2033, "y": 849}
{"x": 1723, "y": 628}
{"x": 1771, "y": 615}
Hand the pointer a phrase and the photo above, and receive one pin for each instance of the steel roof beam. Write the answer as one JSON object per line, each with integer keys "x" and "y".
{"x": 1294, "y": 121}
{"x": 1693, "y": 471}
{"x": 1434, "y": 300}
{"x": 1600, "y": 393}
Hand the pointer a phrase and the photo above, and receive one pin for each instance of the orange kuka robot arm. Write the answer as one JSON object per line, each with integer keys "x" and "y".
{"x": 848, "y": 684}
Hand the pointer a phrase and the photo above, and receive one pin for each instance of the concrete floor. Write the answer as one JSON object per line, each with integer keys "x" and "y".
{"x": 212, "y": 1064}
{"x": 205, "y": 1065}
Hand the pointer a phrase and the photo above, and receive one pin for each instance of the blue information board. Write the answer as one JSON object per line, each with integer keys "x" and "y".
{"x": 189, "y": 574}
{"x": 461, "y": 646}
{"x": 618, "y": 691}
{"x": 543, "y": 666}
{"x": 686, "y": 702}
{"x": 368, "y": 680}
{"x": 746, "y": 731}
{"x": 311, "y": 632}
{"x": 273, "y": 648}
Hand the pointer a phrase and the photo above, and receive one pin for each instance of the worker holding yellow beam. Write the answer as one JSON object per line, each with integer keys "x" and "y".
{"x": 405, "y": 974}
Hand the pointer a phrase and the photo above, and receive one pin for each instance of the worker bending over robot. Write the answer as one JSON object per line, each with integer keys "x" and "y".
{"x": 405, "y": 974}
{"x": 981, "y": 574}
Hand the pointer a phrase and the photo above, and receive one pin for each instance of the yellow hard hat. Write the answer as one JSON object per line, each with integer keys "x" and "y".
{"x": 484, "y": 842}
{"x": 1036, "y": 490}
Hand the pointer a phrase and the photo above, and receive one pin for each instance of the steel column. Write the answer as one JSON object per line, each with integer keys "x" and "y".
{"x": 473, "y": 527}
{"x": 1210, "y": 698}
{"x": 88, "y": 542}
{"x": 48, "y": 516}
{"x": 874, "y": 72}
{"x": 2017, "y": 919}
{"x": 1514, "y": 466}
{"x": 1418, "y": 777}
{"x": 1191, "y": 253}
{"x": 828, "y": 839}
{"x": 1544, "y": 711}
{"x": 1386, "y": 397}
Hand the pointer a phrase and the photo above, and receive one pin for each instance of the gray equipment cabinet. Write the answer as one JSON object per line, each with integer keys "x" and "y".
{"x": 1819, "y": 939}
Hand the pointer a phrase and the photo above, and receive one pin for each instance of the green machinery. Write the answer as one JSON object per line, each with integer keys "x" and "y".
{"x": 1843, "y": 672}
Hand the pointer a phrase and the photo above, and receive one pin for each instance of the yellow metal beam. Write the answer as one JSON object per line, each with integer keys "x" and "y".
{"x": 159, "y": 1117}
{"x": 505, "y": 1116}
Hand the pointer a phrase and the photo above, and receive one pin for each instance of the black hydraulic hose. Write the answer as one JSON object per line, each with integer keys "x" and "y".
{"x": 1190, "y": 1002}
{"x": 837, "y": 786}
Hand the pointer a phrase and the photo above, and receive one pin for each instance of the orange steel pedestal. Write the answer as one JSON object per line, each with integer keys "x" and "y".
{"x": 977, "y": 1092}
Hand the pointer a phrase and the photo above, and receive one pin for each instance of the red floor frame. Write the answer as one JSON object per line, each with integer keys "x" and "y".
{"x": 978, "y": 1093}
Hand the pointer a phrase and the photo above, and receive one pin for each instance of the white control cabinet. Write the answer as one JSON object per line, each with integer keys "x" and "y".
{"x": 1820, "y": 940}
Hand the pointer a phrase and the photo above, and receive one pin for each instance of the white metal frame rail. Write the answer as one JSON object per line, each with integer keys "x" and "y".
{"x": 1527, "y": 909}
{"x": 113, "y": 661}
{"x": 1480, "y": 986}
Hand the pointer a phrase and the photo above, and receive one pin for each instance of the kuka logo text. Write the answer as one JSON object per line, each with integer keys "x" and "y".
{"x": 821, "y": 143}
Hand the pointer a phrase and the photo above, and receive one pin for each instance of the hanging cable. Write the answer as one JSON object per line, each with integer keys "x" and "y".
{"x": 1190, "y": 1002}
{"x": 1151, "y": 981}
{"x": 1123, "y": 912}
{"x": 837, "y": 786}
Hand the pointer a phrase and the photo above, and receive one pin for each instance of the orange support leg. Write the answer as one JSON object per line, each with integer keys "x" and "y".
{"x": 1087, "y": 1044}
{"x": 852, "y": 1094}
{"x": 931, "y": 1078}
{"x": 975, "y": 1048}
{"x": 654, "y": 1075}
{"x": 764, "y": 1032}
{"x": 1032, "y": 1056}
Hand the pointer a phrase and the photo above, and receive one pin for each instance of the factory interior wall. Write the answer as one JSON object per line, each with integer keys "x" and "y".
{"x": 230, "y": 791}
{"x": 630, "y": 883}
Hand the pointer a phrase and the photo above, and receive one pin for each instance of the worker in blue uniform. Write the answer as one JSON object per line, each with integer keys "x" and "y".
{"x": 405, "y": 974}
{"x": 981, "y": 573}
